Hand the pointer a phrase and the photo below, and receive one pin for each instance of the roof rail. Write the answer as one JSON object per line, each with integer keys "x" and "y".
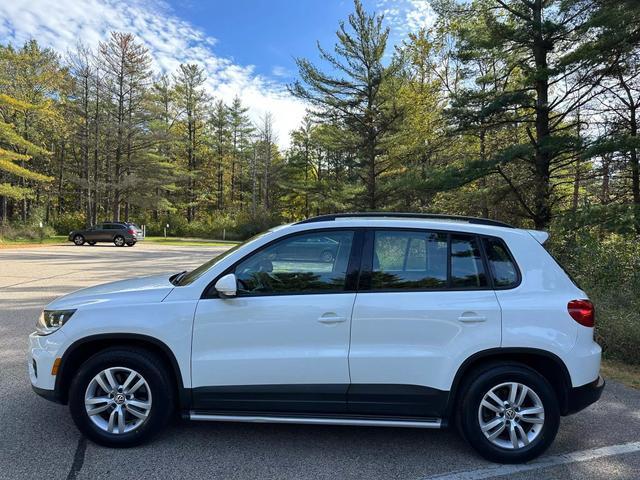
{"x": 423, "y": 216}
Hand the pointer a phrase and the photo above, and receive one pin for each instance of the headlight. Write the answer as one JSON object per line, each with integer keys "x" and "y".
{"x": 52, "y": 320}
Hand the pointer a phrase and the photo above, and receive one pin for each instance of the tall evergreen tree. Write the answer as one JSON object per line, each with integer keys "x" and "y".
{"x": 355, "y": 96}
{"x": 192, "y": 103}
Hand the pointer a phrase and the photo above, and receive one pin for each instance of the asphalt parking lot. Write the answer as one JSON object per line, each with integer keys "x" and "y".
{"x": 39, "y": 440}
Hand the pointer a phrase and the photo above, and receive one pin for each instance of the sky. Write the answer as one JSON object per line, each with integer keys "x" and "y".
{"x": 248, "y": 47}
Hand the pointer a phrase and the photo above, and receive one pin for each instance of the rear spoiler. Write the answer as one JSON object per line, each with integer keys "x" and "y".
{"x": 539, "y": 235}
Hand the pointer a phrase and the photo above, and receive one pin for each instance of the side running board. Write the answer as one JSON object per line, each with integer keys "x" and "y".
{"x": 319, "y": 420}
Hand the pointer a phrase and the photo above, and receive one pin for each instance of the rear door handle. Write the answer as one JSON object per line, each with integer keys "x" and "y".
{"x": 472, "y": 318}
{"x": 331, "y": 318}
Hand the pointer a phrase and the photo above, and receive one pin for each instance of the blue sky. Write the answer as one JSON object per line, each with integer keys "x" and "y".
{"x": 267, "y": 34}
{"x": 247, "y": 46}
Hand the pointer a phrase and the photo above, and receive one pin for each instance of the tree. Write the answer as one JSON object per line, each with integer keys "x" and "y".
{"x": 14, "y": 148}
{"x": 191, "y": 100}
{"x": 221, "y": 143}
{"x": 552, "y": 53}
{"x": 355, "y": 97}
{"x": 126, "y": 66}
{"x": 241, "y": 130}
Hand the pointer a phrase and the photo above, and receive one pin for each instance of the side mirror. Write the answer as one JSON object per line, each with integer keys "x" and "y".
{"x": 227, "y": 286}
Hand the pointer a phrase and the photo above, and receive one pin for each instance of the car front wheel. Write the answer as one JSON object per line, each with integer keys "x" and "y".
{"x": 78, "y": 240}
{"x": 509, "y": 413}
{"x": 121, "y": 398}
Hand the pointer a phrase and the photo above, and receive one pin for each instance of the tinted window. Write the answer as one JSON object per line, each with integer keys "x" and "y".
{"x": 112, "y": 226}
{"x": 306, "y": 263}
{"x": 409, "y": 260}
{"x": 503, "y": 270}
{"x": 467, "y": 270}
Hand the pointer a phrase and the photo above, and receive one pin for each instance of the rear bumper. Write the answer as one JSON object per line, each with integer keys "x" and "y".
{"x": 581, "y": 397}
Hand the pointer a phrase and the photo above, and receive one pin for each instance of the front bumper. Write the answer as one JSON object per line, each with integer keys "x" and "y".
{"x": 581, "y": 397}
{"x": 43, "y": 351}
{"x": 50, "y": 395}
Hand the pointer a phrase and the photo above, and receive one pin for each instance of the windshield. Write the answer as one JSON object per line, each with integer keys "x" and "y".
{"x": 190, "y": 277}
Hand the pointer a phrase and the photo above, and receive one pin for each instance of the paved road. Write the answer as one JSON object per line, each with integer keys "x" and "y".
{"x": 39, "y": 440}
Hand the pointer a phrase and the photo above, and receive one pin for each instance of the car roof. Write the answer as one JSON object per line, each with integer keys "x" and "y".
{"x": 398, "y": 223}
{"x": 408, "y": 215}
{"x": 431, "y": 222}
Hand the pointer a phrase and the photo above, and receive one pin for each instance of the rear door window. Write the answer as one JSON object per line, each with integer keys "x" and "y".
{"x": 409, "y": 260}
{"x": 426, "y": 260}
{"x": 467, "y": 269}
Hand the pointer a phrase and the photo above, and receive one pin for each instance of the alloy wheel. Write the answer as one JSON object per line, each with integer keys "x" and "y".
{"x": 118, "y": 400}
{"x": 511, "y": 415}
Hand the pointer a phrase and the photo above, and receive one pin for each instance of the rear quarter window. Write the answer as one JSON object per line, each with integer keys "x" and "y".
{"x": 502, "y": 267}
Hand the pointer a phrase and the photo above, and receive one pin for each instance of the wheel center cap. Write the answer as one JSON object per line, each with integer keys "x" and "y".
{"x": 510, "y": 414}
{"x": 119, "y": 398}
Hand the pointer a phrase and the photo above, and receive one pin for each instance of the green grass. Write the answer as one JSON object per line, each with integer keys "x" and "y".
{"x": 193, "y": 242}
{"x": 621, "y": 372}
{"x": 31, "y": 241}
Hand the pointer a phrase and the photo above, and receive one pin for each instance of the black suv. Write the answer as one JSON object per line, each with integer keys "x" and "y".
{"x": 120, "y": 233}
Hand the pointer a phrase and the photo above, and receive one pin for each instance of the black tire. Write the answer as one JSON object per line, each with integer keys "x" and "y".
{"x": 131, "y": 244}
{"x": 78, "y": 240}
{"x": 146, "y": 364}
{"x": 479, "y": 383}
{"x": 118, "y": 241}
{"x": 91, "y": 243}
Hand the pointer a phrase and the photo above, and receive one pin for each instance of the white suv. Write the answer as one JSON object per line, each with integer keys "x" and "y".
{"x": 352, "y": 319}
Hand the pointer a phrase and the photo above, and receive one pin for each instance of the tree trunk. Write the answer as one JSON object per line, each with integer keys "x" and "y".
{"x": 542, "y": 160}
{"x": 484, "y": 204}
{"x": 635, "y": 170}
{"x": 577, "y": 177}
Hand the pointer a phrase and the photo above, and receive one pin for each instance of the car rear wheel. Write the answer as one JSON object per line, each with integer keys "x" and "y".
{"x": 509, "y": 413}
{"x": 78, "y": 240}
{"x": 119, "y": 241}
{"x": 121, "y": 398}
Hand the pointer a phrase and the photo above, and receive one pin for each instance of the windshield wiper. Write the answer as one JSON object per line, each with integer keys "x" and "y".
{"x": 177, "y": 277}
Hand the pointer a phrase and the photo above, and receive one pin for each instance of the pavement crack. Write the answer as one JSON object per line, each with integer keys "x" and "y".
{"x": 78, "y": 458}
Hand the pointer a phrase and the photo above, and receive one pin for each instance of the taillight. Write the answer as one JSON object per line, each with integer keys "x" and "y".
{"x": 131, "y": 231}
{"x": 583, "y": 312}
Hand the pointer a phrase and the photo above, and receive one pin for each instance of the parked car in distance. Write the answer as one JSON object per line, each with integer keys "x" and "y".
{"x": 322, "y": 249}
{"x": 118, "y": 233}
{"x": 416, "y": 321}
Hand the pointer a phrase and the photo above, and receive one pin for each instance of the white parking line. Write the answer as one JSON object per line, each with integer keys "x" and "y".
{"x": 581, "y": 456}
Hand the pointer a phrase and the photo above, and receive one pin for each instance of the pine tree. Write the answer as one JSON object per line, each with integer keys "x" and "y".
{"x": 126, "y": 65}
{"x": 191, "y": 100}
{"x": 13, "y": 149}
{"x": 355, "y": 98}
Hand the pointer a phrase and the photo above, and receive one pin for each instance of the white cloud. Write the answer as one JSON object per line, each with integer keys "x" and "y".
{"x": 405, "y": 16}
{"x": 170, "y": 40}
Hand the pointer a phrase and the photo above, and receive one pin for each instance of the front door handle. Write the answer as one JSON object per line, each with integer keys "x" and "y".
{"x": 331, "y": 318}
{"x": 471, "y": 317}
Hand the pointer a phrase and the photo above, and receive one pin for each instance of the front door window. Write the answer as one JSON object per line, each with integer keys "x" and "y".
{"x": 306, "y": 263}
